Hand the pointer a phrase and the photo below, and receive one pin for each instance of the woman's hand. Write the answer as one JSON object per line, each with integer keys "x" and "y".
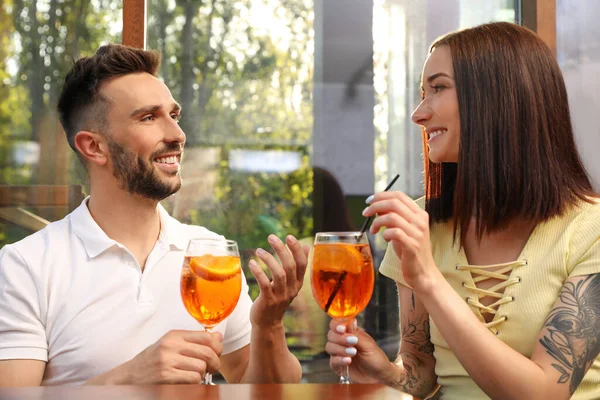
{"x": 351, "y": 346}
{"x": 407, "y": 229}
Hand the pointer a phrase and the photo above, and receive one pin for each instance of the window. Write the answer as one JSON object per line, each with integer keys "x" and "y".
{"x": 41, "y": 178}
{"x": 578, "y": 53}
{"x": 403, "y": 31}
{"x": 242, "y": 71}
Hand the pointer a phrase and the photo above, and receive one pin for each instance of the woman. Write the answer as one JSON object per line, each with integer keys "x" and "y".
{"x": 499, "y": 284}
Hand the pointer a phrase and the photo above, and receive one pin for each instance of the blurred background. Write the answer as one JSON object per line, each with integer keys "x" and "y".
{"x": 295, "y": 111}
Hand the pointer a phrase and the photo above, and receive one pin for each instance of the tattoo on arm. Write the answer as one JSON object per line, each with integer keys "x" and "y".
{"x": 416, "y": 332}
{"x": 572, "y": 338}
{"x": 412, "y": 382}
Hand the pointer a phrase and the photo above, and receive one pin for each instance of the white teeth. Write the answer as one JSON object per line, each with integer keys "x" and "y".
{"x": 436, "y": 133}
{"x": 167, "y": 160}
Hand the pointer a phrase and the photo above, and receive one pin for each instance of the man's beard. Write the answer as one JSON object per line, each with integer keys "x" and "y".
{"x": 138, "y": 176}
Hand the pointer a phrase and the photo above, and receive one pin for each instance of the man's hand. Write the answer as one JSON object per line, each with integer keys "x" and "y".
{"x": 276, "y": 295}
{"x": 178, "y": 357}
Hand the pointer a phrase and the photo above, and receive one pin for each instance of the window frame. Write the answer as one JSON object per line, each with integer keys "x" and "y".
{"x": 134, "y": 23}
{"x": 537, "y": 15}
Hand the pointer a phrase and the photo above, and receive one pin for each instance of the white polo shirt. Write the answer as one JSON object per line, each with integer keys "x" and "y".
{"x": 73, "y": 297}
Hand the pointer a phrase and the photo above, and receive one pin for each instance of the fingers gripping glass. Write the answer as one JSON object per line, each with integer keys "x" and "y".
{"x": 211, "y": 282}
{"x": 342, "y": 276}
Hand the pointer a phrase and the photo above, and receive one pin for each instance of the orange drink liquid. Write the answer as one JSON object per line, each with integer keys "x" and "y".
{"x": 349, "y": 267}
{"x": 211, "y": 287}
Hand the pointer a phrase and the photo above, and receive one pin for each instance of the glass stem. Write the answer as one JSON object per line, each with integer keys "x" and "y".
{"x": 345, "y": 377}
{"x": 207, "y": 376}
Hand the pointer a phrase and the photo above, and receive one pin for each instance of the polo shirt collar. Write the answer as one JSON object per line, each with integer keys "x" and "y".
{"x": 87, "y": 230}
{"x": 96, "y": 241}
{"x": 170, "y": 230}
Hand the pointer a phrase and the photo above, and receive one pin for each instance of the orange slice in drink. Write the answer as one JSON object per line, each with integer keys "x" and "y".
{"x": 337, "y": 257}
{"x": 215, "y": 268}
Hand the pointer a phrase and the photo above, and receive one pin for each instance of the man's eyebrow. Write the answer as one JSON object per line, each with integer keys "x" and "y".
{"x": 153, "y": 108}
{"x": 146, "y": 110}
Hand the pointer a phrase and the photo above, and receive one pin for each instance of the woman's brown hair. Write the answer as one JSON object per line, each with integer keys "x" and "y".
{"x": 517, "y": 154}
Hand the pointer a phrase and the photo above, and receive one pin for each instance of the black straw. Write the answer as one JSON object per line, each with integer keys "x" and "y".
{"x": 368, "y": 220}
{"x": 338, "y": 285}
{"x": 336, "y": 289}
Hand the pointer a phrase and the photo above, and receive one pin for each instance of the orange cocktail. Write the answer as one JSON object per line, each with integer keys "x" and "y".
{"x": 211, "y": 287}
{"x": 342, "y": 278}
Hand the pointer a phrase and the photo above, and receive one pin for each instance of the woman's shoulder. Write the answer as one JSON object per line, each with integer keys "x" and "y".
{"x": 579, "y": 213}
{"x": 584, "y": 213}
{"x": 582, "y": 222}
{"x": 587, "y": 213}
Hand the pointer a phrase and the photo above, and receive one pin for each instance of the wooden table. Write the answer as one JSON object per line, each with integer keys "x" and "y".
{"x": 199, "y": 392}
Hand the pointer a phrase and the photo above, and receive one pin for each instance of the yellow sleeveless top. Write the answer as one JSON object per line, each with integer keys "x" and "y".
{"x": 560, "y": 248}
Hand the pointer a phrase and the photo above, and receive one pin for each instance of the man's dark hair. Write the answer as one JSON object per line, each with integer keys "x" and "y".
{"x": 81, "y": 106}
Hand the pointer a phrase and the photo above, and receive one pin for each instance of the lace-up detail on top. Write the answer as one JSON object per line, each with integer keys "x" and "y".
{"x": 481, "y": 273}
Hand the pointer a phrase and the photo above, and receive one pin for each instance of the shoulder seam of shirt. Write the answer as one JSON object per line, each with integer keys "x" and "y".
{"x": 35, "y": 282}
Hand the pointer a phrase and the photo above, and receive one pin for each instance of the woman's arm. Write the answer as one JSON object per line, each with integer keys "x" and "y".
{"x": 569, "y": 335}
{"x": 567, "y": 345}
{"x": 416, "y": 350}
{"x": 413, "y": 371}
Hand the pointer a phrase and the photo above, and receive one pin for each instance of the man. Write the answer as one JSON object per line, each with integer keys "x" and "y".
{"x": 94, "y": 298}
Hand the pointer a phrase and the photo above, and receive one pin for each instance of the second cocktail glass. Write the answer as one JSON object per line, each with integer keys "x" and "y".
{"x": 342, "y": 276}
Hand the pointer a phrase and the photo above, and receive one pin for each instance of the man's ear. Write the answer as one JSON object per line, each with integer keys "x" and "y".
{"x": 92, "y": 147}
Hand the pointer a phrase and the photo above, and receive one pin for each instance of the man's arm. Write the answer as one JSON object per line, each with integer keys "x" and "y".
{"x": 23, "y": 342}
{"x": 268, "y": 358}
{"x": 21, "y": 372}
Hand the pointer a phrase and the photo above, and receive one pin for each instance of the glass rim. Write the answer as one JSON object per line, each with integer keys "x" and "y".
{"x": 212, "y": 241}
{"x": 341, "y": 237}
{"x": 339, "y": 234}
